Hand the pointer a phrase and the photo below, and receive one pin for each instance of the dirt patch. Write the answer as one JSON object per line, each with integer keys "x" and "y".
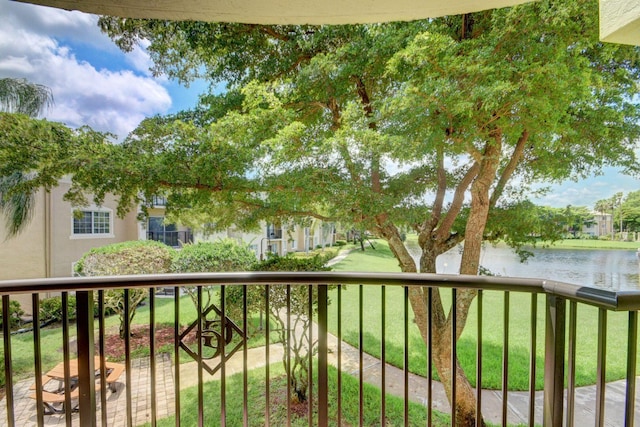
{"x": 164, "y": 336}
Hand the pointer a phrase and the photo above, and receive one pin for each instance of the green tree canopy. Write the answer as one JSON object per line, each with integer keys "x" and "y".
{"x": 433, "y": 124}
{"x": 631, "y": 211}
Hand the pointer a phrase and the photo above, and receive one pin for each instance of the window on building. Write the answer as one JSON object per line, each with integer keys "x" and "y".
{"x": 92, "y": 223}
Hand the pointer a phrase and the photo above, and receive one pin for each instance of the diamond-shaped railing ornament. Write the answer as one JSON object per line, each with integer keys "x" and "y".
{"x": 214, "y": 341}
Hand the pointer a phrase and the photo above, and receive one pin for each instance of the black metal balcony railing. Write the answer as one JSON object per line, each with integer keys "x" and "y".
{"x": 274, "y": 234}
{"x": 96, "y": 406}
{"x": 171, "y": 238}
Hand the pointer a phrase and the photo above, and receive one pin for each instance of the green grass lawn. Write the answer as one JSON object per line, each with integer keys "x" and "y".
{"x": 594, "y": 244}
{"x": 256, "y": 398}
{"x": 381, "y": 259}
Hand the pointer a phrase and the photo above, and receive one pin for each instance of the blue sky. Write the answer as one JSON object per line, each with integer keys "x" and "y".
{"x": 96, "y": 84}
{"x": 92, "y": 81}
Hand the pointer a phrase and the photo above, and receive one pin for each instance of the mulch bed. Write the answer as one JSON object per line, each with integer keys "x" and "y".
{"x": 114, "y": 345}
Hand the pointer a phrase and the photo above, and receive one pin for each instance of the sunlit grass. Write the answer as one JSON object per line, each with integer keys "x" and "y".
{"x": 257, "y": 401}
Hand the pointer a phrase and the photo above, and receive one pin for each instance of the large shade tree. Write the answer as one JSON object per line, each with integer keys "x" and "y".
{"x": 424, "y": 124}
{"x": 437, "y": 125}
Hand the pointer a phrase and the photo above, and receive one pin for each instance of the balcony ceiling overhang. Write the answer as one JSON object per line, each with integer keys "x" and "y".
{"x": 279, "y": 11}
{"x": 620, "y": 21}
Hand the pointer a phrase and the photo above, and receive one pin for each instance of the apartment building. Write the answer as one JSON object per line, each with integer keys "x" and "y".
{"x": 58, "y": 235}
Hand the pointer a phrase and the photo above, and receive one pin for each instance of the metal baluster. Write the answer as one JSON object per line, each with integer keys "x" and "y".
{"x": 127, "y": 357}
{"x": 601, "y": 368}
{"x": 632, "y": 346}
{"x": 360, "y": 357}
{"x": 383, "y": 357}
{"x": 571, "y": 363}
{"x": 8, "y": 373}
{"x": 152, "y": 354}
{"x": 505, "y": 358}
{"x": 479, "y": 362}
{"x": 288, "y": 355}
{"x": 101, "y": 348}
{"x": 405, "y": 373}
{"x": 430, "y": 357}
{"x": 200, "y": 361}
{"x": 454, "y": 355}
{"x": 323, "y": 350}
{"x": 310, "y": 355}
{"x": 245, "y": 364}
{"x": 37, "y": 359}
{"x": 339, "y": 393}
{"x": 532, "y": 359}
{"x": 176, "y": 351}
{"x": 223, "y": 358}
{"x": 267, "y": 410}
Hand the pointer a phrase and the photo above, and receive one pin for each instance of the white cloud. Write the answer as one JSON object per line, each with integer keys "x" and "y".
{"x": 38, "y": 43}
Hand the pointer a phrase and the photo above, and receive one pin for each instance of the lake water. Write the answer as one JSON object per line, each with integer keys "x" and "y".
{"x": 609, "y": 269}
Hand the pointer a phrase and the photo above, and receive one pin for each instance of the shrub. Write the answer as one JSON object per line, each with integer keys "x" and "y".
{"x": 222, "y": 255}
{"x": 341, "y": 242}
{"x": 51, "y": 309}
{"x": 292, "y": 263}
{"x": 15, "y": 313}
{"x": 218, "y": 256}
{"x": 133, "y": 257}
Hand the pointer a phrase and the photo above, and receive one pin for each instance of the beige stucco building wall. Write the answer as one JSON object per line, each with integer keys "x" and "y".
{"x": 47, "y": 246}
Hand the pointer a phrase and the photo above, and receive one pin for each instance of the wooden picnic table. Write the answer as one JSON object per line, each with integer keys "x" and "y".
{"x": 52, "y": 397}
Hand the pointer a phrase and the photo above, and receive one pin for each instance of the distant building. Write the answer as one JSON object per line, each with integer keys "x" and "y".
{"x": 278, "y": 239}
{"x": 602, "y": 225}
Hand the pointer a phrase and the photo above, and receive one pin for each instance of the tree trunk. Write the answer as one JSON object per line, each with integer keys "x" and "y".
{"x": 465, "y": 412}
{"x": 441, "y": 331}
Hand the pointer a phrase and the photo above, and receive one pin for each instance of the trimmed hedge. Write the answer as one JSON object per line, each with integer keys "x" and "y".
{"x": 222, "y": 255}
{"x": 133, "y": 257}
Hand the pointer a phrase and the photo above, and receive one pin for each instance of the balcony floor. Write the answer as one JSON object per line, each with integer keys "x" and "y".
{"x": 492, "y": 400}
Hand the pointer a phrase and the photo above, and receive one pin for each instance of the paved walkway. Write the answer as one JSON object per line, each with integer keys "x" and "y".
{"x": 25, "y": 407}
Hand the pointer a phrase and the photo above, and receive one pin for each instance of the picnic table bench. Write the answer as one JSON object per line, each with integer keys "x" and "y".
{"x": 53, "y": 396}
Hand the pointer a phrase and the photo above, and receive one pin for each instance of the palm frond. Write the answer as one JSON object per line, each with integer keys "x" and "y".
{"x": 16, "y": 205}
{"x": 21, "y": 96}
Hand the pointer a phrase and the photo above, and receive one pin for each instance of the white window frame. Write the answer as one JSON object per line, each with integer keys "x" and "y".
{"x": 93, "y": 235}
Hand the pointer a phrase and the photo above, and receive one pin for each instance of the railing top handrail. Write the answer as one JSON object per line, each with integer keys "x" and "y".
{"x": 612, "y": 300}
